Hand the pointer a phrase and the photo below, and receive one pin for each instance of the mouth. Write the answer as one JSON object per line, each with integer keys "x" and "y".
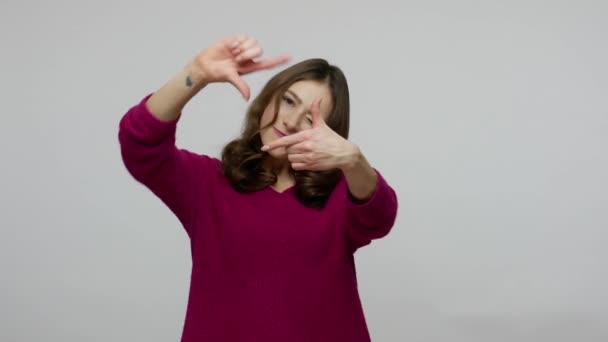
{"x": 279, "y": 133}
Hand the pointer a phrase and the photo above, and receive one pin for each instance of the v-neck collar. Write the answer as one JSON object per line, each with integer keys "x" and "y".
{"x": 283, "y": 192}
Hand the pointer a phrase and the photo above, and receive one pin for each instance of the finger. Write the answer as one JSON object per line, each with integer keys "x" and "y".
{"x": 293, "y": 149}
{"x": 286, "y": 141}
{"x": 315, "y": 109}
{"x": 248, "y": 43}
{"x": 265, "y": 64}
{"x": 250, "y": 53}
{"x": 240, "y": 84}
{"x": 236, "y": 40}
{"x": 298, "y": 158}
{"x": 301, "y": 166}
{"x": 301, "y": 147}
{"x": 244, "y": 45}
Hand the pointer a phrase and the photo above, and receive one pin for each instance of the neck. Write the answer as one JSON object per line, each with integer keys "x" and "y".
{"x": 282, "y": 169}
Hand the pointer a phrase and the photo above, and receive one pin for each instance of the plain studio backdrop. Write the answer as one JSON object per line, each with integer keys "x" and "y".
{"x": 489, "y": 118}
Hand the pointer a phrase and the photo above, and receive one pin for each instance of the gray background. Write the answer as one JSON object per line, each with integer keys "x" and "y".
{"x": 489, "y": 118}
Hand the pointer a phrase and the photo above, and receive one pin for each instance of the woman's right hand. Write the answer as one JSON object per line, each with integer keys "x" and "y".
{"x": 228, "y": 59}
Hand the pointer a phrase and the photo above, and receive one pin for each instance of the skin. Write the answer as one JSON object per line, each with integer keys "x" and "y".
{"x": 313, "y": 148}
{"x": 309, "y": 144}
{"x": 294, "y": 115}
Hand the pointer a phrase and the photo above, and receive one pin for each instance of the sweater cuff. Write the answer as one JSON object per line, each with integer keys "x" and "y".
{"x": 147, "y": 126}
{"x": 379, "y": 208}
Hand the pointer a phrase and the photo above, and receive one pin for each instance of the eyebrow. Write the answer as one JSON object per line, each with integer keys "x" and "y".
{"x": 294, "y": 95}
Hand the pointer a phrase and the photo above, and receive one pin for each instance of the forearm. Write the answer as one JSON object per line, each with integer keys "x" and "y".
{"x": 361, "y": 178}
{"x": 372, "y": 207}
{"x": 168, "y": 102}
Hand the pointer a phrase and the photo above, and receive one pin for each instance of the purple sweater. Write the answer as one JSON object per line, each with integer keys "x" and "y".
{"x": 264, "y": 266}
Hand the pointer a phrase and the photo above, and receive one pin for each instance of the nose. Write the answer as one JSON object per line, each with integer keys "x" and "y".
{"x": 290, "y": 121}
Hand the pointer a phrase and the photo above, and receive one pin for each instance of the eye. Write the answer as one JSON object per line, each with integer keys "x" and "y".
{"x": 288, "y": 100}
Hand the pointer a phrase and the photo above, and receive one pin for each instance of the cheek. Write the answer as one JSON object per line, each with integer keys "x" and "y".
{"x": 267, "y": 115}
{"x": 265, "y": 119}
{"x": 278, "y": 153}
{"x": 267, "y": 135}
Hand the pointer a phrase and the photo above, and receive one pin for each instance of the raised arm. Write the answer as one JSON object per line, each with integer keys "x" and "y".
{"x": 147, "y": 130}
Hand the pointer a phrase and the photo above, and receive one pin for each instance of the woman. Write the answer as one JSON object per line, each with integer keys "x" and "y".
{"x": 274, "y": 225}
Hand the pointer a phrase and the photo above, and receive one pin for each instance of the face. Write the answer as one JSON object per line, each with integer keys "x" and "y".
{"x": 294, "y": 112}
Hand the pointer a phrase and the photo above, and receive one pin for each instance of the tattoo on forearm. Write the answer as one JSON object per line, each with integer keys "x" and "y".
{"x": 189, "y": 81}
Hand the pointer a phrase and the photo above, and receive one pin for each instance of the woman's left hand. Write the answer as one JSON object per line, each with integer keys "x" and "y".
{"x": 318, "y": 148}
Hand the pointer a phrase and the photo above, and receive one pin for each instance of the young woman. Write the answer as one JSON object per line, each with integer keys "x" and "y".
{"x": 274, "y": 224}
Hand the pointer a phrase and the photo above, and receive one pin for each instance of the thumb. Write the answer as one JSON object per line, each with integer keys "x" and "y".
{"x": 238, "y": 82}
{"x": 317, "y": 119}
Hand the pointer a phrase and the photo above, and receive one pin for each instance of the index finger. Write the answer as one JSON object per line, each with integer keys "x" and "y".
{"x": 265, "y": 64}
{"x": 286, "y": 141}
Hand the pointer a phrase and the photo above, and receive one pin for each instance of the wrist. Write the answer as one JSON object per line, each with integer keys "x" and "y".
{"x": 195, "y": 76}
{"x": 353, "y": 159}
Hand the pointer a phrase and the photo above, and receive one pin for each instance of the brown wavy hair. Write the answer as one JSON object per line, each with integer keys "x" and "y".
{"x": 242, "y": 159}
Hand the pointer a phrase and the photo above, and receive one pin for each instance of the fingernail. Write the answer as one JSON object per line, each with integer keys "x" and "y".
{"x": 265, "y": 147}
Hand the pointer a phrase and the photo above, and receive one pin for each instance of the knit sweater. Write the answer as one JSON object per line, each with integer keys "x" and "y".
{"x": 264, "y": 266}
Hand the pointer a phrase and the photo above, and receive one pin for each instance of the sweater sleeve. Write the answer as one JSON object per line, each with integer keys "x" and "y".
{"x": 372, "y": 219}
{"x": 150, "y": 155}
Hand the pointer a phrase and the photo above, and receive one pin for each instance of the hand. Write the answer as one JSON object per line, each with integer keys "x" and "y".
{"x": 318, "y": 148}
{"x": 228, "y": 59}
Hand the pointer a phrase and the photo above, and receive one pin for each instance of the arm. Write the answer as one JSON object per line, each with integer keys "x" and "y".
{"x": 371, "y": 203}
{"x": 147, "y": 140}
{"x": 147, "y": 130}
{"x": 149, "y": 153}
{"x": 360, "y": 177}
{"x": 167, "y": 103}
